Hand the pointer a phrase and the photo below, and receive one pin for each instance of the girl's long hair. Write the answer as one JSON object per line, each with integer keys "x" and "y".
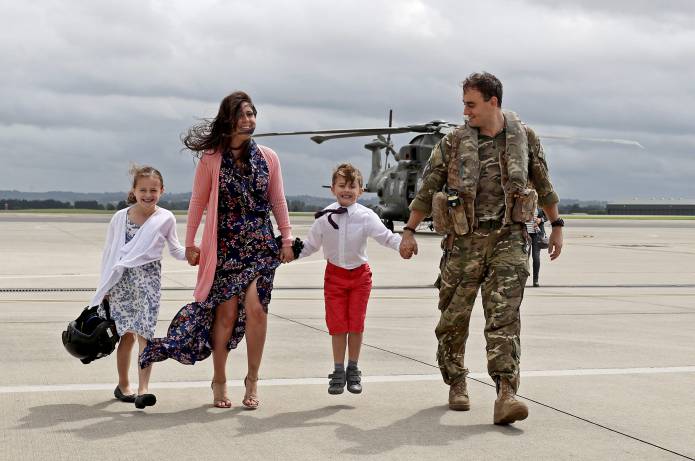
{"x": 212, "y": 135}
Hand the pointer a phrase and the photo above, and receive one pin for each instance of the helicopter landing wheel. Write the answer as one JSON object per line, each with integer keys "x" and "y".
{"x": 388, "y": 223}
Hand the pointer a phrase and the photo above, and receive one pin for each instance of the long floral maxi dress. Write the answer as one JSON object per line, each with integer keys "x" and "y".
{"x": 246, "y": 250}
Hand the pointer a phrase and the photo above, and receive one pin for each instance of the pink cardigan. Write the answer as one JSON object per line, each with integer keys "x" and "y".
{"x": 204, "y": 198}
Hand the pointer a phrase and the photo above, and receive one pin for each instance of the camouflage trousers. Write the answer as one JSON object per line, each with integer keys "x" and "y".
{"x": 497, "y": 263}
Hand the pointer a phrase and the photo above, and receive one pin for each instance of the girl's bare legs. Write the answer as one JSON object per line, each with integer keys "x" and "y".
{"x": 123, "y": 355}
{"x": 256, "y": 328}
{"x": 225, "y": 317}
{"x": 143, "y": 373}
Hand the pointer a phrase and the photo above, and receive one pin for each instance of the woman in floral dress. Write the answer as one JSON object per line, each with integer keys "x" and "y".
{"x": 237, "y": 182}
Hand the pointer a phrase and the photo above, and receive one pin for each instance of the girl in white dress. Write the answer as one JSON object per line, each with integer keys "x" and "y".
{"x": 131, "y": 275}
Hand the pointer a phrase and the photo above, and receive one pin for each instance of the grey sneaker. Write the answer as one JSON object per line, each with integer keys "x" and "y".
{"x": 336, "y": 384}
{"x": 354, "y": 380}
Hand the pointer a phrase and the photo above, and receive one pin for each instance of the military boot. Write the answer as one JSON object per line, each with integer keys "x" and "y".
{"x": 507, "y": 408}
{"x": 458, "y": 396}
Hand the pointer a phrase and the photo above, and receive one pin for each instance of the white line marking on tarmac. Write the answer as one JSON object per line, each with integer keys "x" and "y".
{"x": 604, "y": 371}
{"x": 44, "y": 276}
{"x": 322, "y": 381}
{"x": 166, "y": 272}
{"x": 53, "y": 276}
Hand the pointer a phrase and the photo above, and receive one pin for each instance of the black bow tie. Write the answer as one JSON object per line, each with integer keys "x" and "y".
{"x": 330, "y": 212}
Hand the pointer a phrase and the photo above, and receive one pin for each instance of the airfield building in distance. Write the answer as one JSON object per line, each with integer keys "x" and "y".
{"x": 660, "y": 207}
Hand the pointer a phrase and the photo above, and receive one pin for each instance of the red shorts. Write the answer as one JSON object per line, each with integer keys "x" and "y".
{"x": 346, "y": 292}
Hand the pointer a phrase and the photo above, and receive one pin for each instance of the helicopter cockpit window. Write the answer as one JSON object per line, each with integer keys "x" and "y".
{"x": 406, "y": 152}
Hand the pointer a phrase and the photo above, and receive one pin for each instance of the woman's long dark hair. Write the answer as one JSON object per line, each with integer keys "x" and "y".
{"x": 215, "y": 134}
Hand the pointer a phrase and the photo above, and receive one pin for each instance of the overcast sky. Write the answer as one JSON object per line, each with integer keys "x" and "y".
{"x": 88, "y": 86}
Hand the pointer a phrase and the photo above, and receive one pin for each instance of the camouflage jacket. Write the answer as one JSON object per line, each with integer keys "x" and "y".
{"x": 514, "y": 176}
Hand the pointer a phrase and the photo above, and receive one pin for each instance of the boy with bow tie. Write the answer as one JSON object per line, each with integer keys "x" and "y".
{"x": 342, "y": 230}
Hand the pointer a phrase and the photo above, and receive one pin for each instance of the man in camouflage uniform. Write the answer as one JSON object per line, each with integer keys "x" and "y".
{"x": 487, "y": 248}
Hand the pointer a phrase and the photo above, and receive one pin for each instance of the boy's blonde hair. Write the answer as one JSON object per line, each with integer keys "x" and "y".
{"x": 349, "y": 172}
{"x": 144, "y": 171}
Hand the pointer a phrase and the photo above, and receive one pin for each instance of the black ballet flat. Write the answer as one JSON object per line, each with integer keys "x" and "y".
{"x": 145, "y": 400}
{"x": 122, "y": 397}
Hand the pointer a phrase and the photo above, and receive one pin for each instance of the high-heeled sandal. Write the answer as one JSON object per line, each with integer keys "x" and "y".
{"x": 251, "y": 400}
{"x": 220, "y": 399}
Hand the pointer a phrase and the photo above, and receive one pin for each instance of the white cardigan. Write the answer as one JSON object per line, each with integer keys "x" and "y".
{"x": 146, "y": 246}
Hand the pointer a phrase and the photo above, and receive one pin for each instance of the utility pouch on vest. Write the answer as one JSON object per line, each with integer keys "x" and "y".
{"x": 525, "y": 204}
{"x": 458, "y": 218}
{"x": 449, "y": 214}
{"x": 440, "y": 214}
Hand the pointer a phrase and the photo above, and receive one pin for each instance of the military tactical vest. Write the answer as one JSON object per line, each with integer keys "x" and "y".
{"x": 453, "y": 210}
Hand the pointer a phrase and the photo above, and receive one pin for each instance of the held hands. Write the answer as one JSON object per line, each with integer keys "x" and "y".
{"x": 555, "y": 243}
{"x": 289, "y": 253}
{"x": 193, "y": 255}
{"x": 408, "y": 246}
{"x": 286, "y": 254}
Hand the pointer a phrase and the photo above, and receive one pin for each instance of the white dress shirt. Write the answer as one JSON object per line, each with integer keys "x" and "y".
{"x": 346, "y": 246}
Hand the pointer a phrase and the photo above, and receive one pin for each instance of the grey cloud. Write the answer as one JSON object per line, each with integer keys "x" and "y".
{"x": 673, "y": 12}
{"x": 91, "y": 86}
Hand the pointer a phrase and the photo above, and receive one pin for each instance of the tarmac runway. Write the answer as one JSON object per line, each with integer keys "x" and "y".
{"x": 608, "y": 359}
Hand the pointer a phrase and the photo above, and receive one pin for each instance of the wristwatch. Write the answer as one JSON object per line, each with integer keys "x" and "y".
{"x": 406, "y": 228}
{"x": 558, "y": 222}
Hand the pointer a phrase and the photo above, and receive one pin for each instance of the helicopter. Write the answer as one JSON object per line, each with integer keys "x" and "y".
{"x": 397, "y": 185}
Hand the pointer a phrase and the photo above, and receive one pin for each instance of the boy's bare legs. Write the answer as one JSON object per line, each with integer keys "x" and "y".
{"x": 336, "y": 382}
{"x": 339, "y": 343}
{"x": 353, "y": 374}
{"x": 225, "y": 317}
{"x": 123, "y": 355}
{"x": 354, "y": 341}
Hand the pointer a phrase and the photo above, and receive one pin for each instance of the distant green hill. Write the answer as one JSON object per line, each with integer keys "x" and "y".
{"x": 295, "y": 202}
{"x": 101, "y": 197}
{"x": 308, "y": 200}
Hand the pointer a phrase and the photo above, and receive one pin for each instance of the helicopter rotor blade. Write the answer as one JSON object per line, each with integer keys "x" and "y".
{"x": 352, "y": 132}
{"x": 626, "y": 142}
{"x": 389, "y": 145}
{"x": 388, "y": 138}
{"x": 431, "y": 127}
{"x": 319, "y": 139}
{"x": 423, "y": 128}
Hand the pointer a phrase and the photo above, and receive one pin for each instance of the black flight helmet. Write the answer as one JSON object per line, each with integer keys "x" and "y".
{"x": 90, "y": 336}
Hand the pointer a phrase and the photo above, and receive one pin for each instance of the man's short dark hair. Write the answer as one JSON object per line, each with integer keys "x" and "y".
{"x": 486, "y": 83}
